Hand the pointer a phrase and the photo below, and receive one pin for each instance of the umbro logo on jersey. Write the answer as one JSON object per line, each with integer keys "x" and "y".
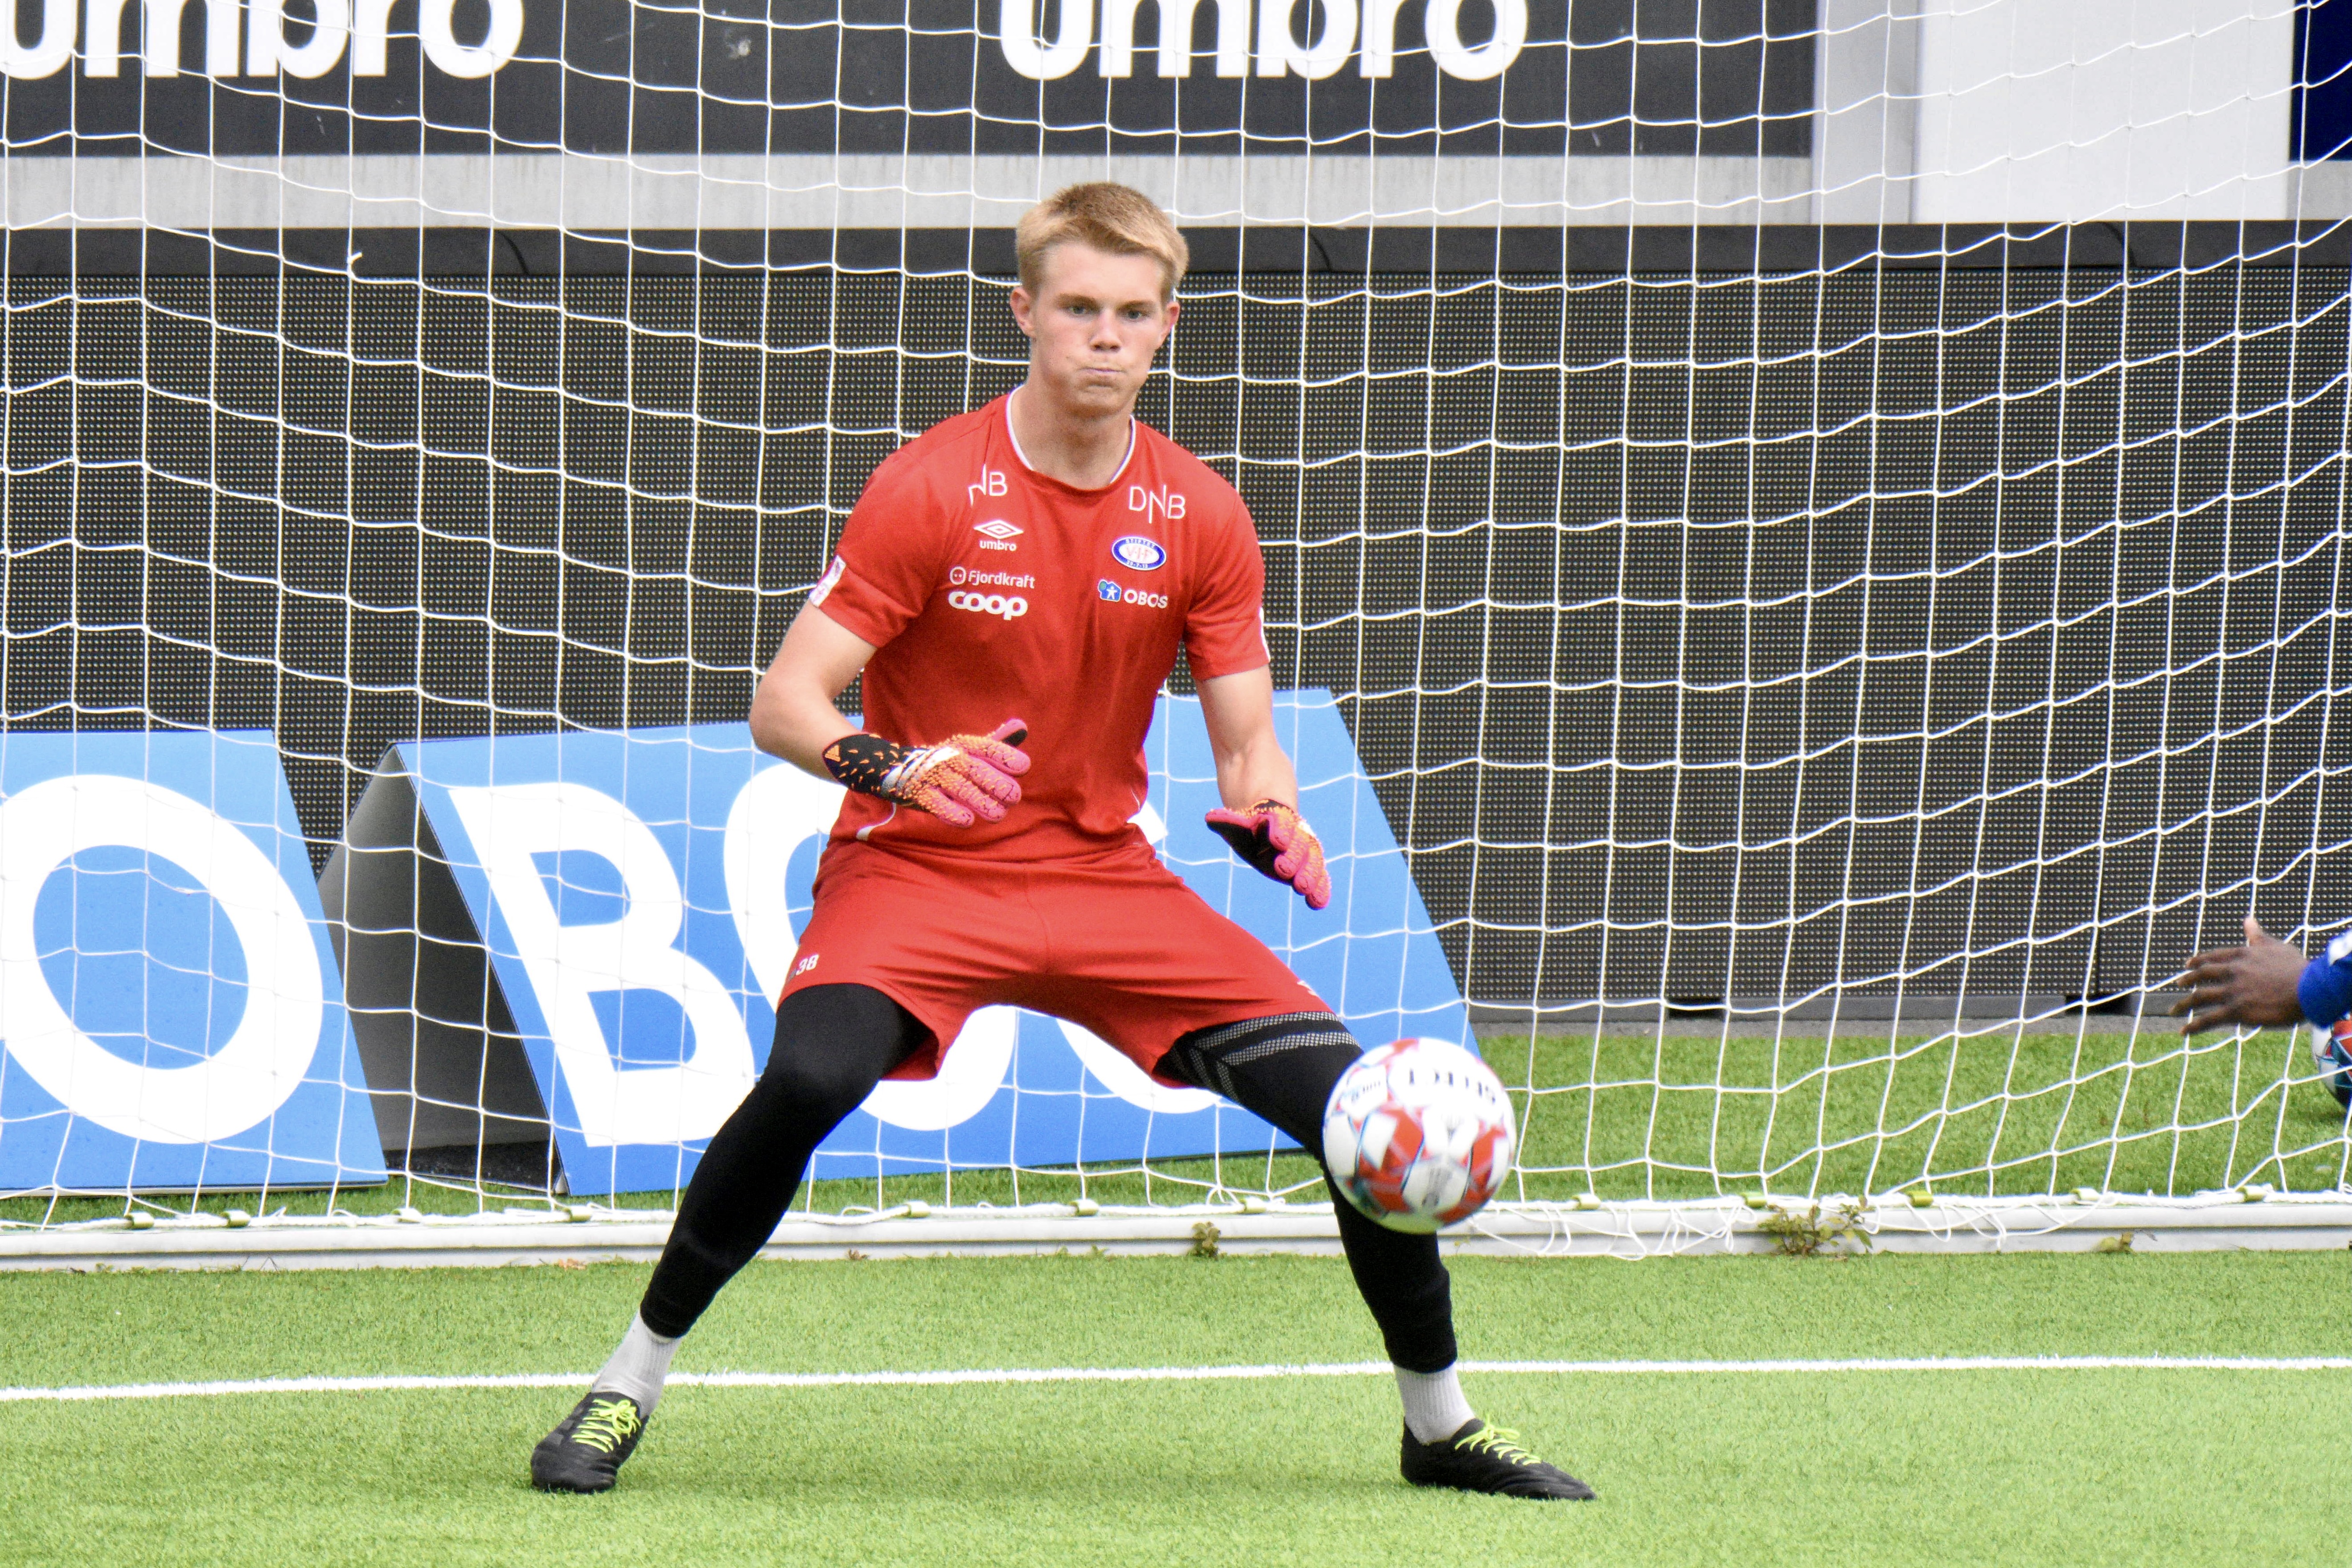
{"x": 1110, "y": 592}
{"x": 1138, "y": 553}
{"x": 1005, "y": 606}
{"x": 996, "y": 534}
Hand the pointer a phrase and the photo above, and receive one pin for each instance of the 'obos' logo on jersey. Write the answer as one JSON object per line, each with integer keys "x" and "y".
{"x": 1110, "y": 592}
{"x": 1138, "y": 553}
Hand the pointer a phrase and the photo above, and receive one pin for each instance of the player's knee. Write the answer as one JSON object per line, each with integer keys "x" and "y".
{"x": 1321, "y": 1068}
{"x": 810, "y": 1080}
{"x": 1280, "y": 1068}
{"x": 833, "y": 1045}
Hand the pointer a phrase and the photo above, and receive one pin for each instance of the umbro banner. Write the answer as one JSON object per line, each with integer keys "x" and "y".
{"x": 242, "y": 79}
{"x": 585, "y": 932}
{"x": 171, "y": 1013}
{"x": 610, "y": 115}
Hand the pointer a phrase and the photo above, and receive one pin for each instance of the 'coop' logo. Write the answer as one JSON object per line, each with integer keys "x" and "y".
{"x": 1005, "y": 606}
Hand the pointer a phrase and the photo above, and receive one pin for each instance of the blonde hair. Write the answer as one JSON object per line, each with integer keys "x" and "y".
{"x": 1113, "y": 218}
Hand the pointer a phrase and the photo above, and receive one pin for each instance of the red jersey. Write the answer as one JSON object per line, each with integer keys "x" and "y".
{"x": 992, "y": 591}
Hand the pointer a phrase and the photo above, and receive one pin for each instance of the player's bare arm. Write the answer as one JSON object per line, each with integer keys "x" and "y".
{"x": 1251, "y": 764}
{"x": 1259, "y": 786}
{"x": 960, "y": 780}
{"x": 792, "y": 712}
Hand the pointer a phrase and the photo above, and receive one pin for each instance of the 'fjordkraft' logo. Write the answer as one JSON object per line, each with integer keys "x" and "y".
{"x": 959, "y": 575}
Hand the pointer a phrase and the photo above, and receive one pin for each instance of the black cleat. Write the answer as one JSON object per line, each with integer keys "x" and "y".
{"x": 585, "y": 1452}
{"x": 1483, "y": 1458}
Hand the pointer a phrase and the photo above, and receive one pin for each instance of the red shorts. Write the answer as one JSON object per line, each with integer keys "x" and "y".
{"x": 1116, "y": 943}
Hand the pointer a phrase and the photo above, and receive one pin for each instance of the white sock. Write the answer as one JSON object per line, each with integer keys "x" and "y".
{"x": 639, "y": 1367}
{"x": 1434, "y": 1405}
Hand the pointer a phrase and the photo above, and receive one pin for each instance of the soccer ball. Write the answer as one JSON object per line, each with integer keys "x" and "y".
{"x": 1419, "y": 1134}
{"x": 2332, "y": 1049}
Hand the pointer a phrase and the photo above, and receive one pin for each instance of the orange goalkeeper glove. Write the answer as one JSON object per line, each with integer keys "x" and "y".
{"x": 1276, "y": 839}
{"x": 963, "y": 778}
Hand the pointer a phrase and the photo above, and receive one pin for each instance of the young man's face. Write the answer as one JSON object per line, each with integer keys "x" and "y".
{"x": 1094, "y": 324}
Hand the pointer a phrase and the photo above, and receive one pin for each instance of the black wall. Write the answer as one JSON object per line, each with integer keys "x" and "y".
{"x": 1708, "y": 633}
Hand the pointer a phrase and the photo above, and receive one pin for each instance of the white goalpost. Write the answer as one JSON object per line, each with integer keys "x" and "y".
{"x": 1804, "y": 542}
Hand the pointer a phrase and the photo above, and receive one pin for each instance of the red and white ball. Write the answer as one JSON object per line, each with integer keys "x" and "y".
{"x": 1419, "y": 1134}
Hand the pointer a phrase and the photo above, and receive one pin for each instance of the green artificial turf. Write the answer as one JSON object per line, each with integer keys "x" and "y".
{"x": 1679, "y": 1115}
{"x": 1685, "y": 1113}
{"x": 2042, "y": 1467}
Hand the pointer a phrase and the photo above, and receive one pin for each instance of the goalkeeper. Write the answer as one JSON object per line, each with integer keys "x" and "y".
{"x": 1014, "y": 586}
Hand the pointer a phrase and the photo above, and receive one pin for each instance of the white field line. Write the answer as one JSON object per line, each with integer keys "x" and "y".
{"x": 1175, "y": 1374}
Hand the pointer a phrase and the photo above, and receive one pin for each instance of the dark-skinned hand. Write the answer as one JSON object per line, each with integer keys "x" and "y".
{"x": 2253, "y": 985}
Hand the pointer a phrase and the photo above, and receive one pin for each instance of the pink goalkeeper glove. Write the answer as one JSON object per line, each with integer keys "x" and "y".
{"x": 963, "y": 778}
{"x": 1276, "y": 839}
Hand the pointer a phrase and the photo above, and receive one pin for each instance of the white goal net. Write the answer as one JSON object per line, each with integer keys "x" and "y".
{"x": 1803, "y": 539}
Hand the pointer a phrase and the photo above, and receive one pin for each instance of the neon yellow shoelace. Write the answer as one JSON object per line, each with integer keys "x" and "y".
{"x": 608, "y": 1424}
{"x": 1501, "y": 1442}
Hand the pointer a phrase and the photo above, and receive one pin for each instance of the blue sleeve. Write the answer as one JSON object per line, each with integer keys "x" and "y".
{"x": 2326, "y": 989}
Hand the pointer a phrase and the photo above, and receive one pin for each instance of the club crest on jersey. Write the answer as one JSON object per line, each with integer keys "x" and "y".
{"x": 1138, "y": 553}
{"x": 996, "y": 534}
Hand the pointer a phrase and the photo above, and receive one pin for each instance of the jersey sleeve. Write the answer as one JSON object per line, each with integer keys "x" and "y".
{"x": 1224, "y": 630}
{"x": 888, "y": 562}
{"x": 2325, "y": 991}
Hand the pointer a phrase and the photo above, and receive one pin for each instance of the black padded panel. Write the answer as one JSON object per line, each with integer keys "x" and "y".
{"x": 1708, "y": 634}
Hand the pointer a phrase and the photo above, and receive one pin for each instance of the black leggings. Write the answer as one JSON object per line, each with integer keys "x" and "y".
{"x": 834, "y": 1042}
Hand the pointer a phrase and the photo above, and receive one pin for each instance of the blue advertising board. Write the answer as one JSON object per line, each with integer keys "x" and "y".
{"x": 642, "y": 896}
{"x": 171, "y": 1013}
